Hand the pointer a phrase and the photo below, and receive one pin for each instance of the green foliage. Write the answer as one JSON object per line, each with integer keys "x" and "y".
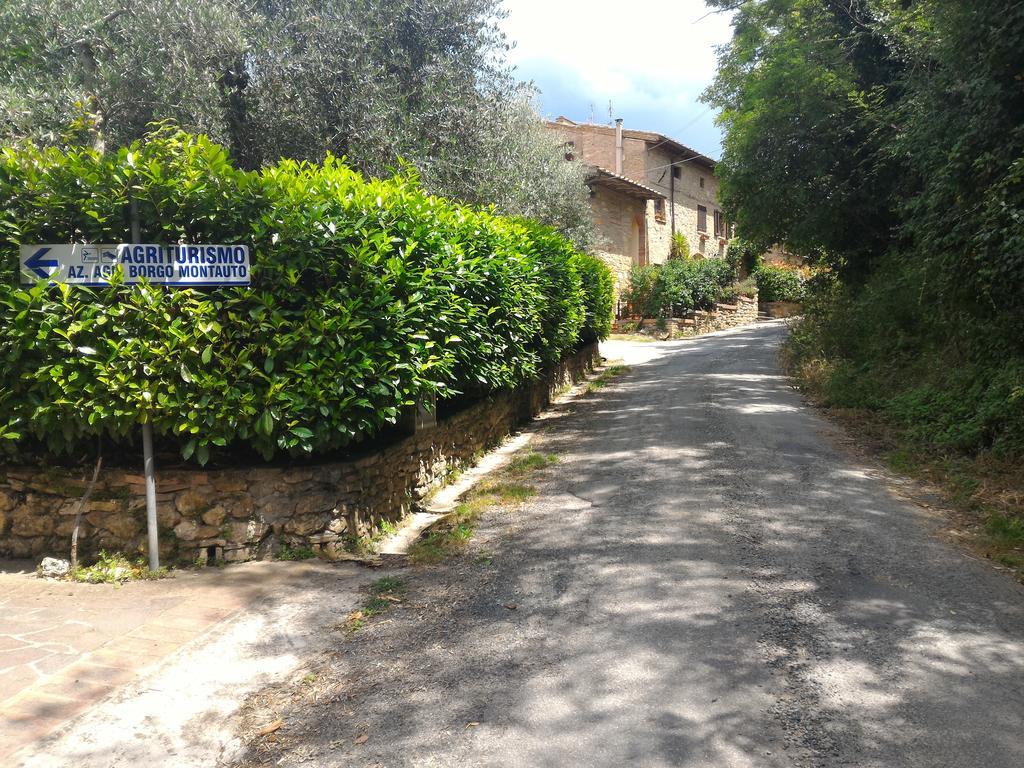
{"x": 677, "y": 286}
{"x": 745, "y": 287}
{"x": 604, "y": 378}
{"x": 116, "y": 568}
{"x": 961, "y": 130}
{"x": 528, "y": 462}
{"x": 775, "y": 283}
{"x": 598, "y": 288}
{"x": 885, "y": 138}
{"x": 423, "y": 82}
{"x": 1007, "y": 530}
{"x": 641, "y": 291}
{"x": 695, "y": 284}
{"x": 803, "y": 90}
{"x": 288, "y": 553}
{"x": 680, "y": 248}
{"x": 946, "y": 382}
{"x": 367, "y": 296}
{"x": 744, "y": 256}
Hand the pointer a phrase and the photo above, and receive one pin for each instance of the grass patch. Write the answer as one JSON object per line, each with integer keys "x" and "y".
{"x": 294, "y": 553}
{"x": 531, "y": 461}
{"x": 504, "y": 490}
{"x": 360, "y": 545}
{"x": 384, "y": 594}
{"x": 367, "y": 546}
{"x": 604, "y": 378}
{"x": 117, "y": 568}
{"x": 1008, "y": 531}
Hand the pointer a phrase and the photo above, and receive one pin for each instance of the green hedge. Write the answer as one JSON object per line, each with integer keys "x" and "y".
{"x": 779, "y": 283}
{"x": 367, "y": 296}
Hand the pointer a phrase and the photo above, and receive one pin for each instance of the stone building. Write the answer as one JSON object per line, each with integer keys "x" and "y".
{"x": 673, "y": 184}
{"x": 619, "y": 207}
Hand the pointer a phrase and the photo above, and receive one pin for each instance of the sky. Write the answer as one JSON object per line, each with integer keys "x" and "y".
{"x": 651, "y": 61}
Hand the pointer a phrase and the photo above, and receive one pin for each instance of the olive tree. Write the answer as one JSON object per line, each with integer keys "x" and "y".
{"x": 381, "y": 83}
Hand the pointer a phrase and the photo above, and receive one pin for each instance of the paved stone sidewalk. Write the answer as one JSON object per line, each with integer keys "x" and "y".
{"x": 64, "y": 647}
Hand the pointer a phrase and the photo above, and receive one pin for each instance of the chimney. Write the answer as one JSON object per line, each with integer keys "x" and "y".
{"x": 618, "y": 145}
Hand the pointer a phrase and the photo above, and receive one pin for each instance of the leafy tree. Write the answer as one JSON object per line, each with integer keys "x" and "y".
{"x": 801, "y": 88}
{"x": 379, "y": 83}
{"x": 856, "y": 128}
{"x": 887, "y": 137}
{"x": 961, "y": 128}
{"x": 109, "y": 71}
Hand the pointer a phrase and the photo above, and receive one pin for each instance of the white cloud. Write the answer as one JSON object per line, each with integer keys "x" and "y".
{"x": 650, "y": 62}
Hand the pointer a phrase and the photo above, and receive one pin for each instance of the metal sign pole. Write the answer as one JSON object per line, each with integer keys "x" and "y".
{"x": 150, "y": 472}
{"x": 149, "y": 465}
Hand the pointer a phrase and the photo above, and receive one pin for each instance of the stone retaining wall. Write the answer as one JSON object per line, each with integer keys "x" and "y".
{"x": 239, "y": 514}
{"x": 743, "y": 312}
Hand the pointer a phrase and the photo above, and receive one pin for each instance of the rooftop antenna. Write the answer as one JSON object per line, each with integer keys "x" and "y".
{"x": 592, "y": 117}
{"x": 611, "y": 112}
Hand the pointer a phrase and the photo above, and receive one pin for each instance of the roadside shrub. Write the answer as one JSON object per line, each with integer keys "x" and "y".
{"x": 642, "y": 291}
{"x": 677, "y": 286}
{"x": 708, "y": 280}
{"x": 945, "y": 381}
{"x": 745, "y": 287}
{"x": 775, "y": 283}
{"x": 367, "y": 296}
{"x": 598, "y": 297}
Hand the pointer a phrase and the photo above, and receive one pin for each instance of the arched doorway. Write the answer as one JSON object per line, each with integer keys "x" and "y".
{"x": 637, "y": 244}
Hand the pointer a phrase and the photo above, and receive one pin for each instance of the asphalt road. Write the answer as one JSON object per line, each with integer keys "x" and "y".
{"x": 705, "y": 579}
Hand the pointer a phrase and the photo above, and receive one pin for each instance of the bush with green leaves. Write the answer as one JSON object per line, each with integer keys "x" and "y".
{"x": 945, "y": 383}
{"x": 775, "y": 283}
{"x": 599, "y": 298}
{"x": 423, "y": 82}
{"x": 678, "y": 286}
{"x": 367, "y": 296}
{"x": 641, "y": 292}
{"x": 705, "y": 281}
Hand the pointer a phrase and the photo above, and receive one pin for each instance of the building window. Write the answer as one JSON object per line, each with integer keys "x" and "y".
{"x": 570, "y": 150}
{"x": 719, "y": 228}
{"x": 659, "y": 211}
{"x": 677, "y": 172}
{"x": 702, "y": 219}
{"x": 702, "y": 182}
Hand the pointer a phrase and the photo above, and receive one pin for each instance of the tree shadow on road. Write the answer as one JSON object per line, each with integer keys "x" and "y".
{"x": 703, "y": 580}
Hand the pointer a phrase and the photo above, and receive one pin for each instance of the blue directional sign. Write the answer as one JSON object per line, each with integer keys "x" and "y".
{"x": 182, "y": 265}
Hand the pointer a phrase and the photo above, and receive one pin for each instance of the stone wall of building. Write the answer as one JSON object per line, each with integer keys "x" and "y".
{"x": 695, "y": 185}
{"x": 242, "y": 513}
{"x": 617, "y": 221}
{"x": 724, "y": 316}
